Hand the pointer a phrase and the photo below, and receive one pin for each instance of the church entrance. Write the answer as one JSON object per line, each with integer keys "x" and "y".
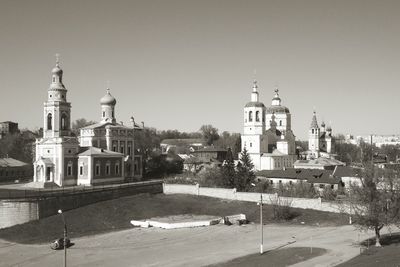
{"x": 48, "y": 174}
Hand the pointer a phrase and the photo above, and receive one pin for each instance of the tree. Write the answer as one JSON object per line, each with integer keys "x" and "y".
{"x": 80, "y": 123}
{"x": 245, "y": 174}
{"x": 228, "y": 170}
{"x": 229, "y": 140}
{"x": 18, "y": 146}
{"x": 376, "y": 203}
{"x": 209, "y": 133}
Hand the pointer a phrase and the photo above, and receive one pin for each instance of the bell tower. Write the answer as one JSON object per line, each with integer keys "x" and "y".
{"x": 313, "y": 136}
{"x": 57, "y": 111}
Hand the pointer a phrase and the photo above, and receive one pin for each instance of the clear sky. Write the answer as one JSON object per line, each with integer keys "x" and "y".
{"x": 181, "y": 64}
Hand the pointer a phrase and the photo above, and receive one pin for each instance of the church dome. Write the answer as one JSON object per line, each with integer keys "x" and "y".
{"x": 57, "y": 70}
{"x": 108, "y": 99}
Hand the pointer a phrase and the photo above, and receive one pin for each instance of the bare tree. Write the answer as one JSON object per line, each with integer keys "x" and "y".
{"x": 376, "y": 203}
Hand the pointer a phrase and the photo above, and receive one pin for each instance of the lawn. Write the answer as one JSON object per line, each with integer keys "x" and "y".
{"x": 276, "y": 258}
{"x": 386, "y": 256}
{"x": 114, "y": 215}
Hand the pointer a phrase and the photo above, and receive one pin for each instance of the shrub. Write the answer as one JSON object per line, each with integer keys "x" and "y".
{"x": 282, "y": 208}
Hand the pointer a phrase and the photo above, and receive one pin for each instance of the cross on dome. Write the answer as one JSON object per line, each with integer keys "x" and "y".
{"x": 57, "y": 59}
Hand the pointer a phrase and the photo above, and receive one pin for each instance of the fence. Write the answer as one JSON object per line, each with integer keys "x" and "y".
{"x": 232, "y": 194}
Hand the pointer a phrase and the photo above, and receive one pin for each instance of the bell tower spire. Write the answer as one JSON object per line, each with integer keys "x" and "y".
{"x": 57, "y": 111}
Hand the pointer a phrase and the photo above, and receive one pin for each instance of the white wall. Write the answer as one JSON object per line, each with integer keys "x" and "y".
{"x": 231, "y": 194}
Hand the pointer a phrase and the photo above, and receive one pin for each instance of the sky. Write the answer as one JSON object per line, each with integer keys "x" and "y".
{"x": 182, "y": 64}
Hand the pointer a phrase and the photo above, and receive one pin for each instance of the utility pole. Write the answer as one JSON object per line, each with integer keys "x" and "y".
{"x": 65, "y": 237}
{"x": 261, "y": 223}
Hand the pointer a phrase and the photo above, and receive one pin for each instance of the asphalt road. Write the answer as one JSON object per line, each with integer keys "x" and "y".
{"x": 187, "y": 247}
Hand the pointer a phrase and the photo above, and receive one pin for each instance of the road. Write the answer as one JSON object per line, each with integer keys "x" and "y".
{"x": 186, "y": 247}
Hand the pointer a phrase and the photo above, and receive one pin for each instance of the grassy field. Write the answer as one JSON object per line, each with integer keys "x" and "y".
{"x": 276, "y": 258}
{"x": 114, "y": 215}
{"x": 386, "y": 256}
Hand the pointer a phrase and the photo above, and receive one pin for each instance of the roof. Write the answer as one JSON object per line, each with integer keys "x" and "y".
{"x": 345, "y": 171}
{"x": 94, "y": 151}
{"x": 183, "y": 141}
{"x": 277, "y": 109}
{"x": 255, "y": 104}
{"x": 109, "y": 124}
{"x": 309, "y": 175}
{"x": 10, "y": 162}
{"x": 210, "y": 149}
{"x": 321, "y": 161}
{"x": 314, "y": 123}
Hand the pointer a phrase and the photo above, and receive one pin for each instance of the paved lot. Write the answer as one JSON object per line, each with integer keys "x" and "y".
{"x": 186, "y": 247}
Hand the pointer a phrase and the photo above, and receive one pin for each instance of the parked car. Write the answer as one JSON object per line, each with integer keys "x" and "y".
{"x": 59, "y": 243}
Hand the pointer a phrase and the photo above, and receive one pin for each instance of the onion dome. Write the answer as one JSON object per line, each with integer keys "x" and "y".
{"x": 323, "y": 124}
{"x": 108, "y": 99}
{"x": 329, "y": 128}
{"x": 57, "y": 70}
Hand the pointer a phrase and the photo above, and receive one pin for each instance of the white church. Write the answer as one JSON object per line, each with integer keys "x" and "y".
{"x": 267, "y": 133}
{"x": 103, "y": 153}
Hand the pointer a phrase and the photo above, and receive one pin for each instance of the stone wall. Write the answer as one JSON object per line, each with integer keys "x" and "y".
{"x": 19, "y": 211}
{"x": 231, "y": 194}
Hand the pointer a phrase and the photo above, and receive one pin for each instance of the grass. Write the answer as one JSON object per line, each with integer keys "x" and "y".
{"x": 385, "y": 256}
{"x": 276, "y": 258}
{"x": 114, "y": 215}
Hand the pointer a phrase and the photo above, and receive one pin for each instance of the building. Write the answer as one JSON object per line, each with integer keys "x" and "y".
{"x": 182, "y": 145}
{"x": 8, "y": 127}
{"x": 104, "y": 153}
{"x": 267, "y": 134}
{"x": 320, "y": 179}
{"x": 205, "y": 157}
{"x": 12, "y": 170}
{"x": 320, "y": 140}
{"x": 320, "y": 163}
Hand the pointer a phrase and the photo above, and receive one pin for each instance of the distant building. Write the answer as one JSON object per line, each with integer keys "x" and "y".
{"x": 12, "y": 170}
{"x": 182, "y": 145}
{"x": 104, "y": 153}
{"x": 320, "y": 163}
{"x": 205, "y": 157}
{"x": 8, "y": 127}
{"x": 377, "y": 140}
{"x": 267, "y": 134}
{"x": 320, "y": 179}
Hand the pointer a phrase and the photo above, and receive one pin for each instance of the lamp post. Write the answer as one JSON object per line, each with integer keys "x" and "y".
{"x": 65, "y": 237}
{"x": 261, "y": 222}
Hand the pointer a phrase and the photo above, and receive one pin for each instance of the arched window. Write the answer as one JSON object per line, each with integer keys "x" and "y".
{"x": 312, "y": 131}
{"x": 104, "y": 114}
{"x": 64, "y": 122}
{"x": 257, "y": 115}
{"x": 117, "y": 168}
{"x": 280, "y": 123}
{"x": 49, "y": 121}
{"x": 263, "y": 116}
{"x": 250, "y": 115}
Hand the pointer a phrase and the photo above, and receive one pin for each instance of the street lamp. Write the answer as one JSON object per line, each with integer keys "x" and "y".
{"x": 65, "y": 237}
{"x": 261, "y": 221}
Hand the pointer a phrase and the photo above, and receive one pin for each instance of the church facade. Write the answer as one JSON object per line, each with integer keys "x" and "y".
{"x": 267, "y": 134}
{"x": 103, "y": 153}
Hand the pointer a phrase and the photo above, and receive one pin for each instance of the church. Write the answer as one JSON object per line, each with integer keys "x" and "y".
{"x": 320, "y": 140}
{"x": 103, "y": 153}
{"x": 267, "y": 133}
